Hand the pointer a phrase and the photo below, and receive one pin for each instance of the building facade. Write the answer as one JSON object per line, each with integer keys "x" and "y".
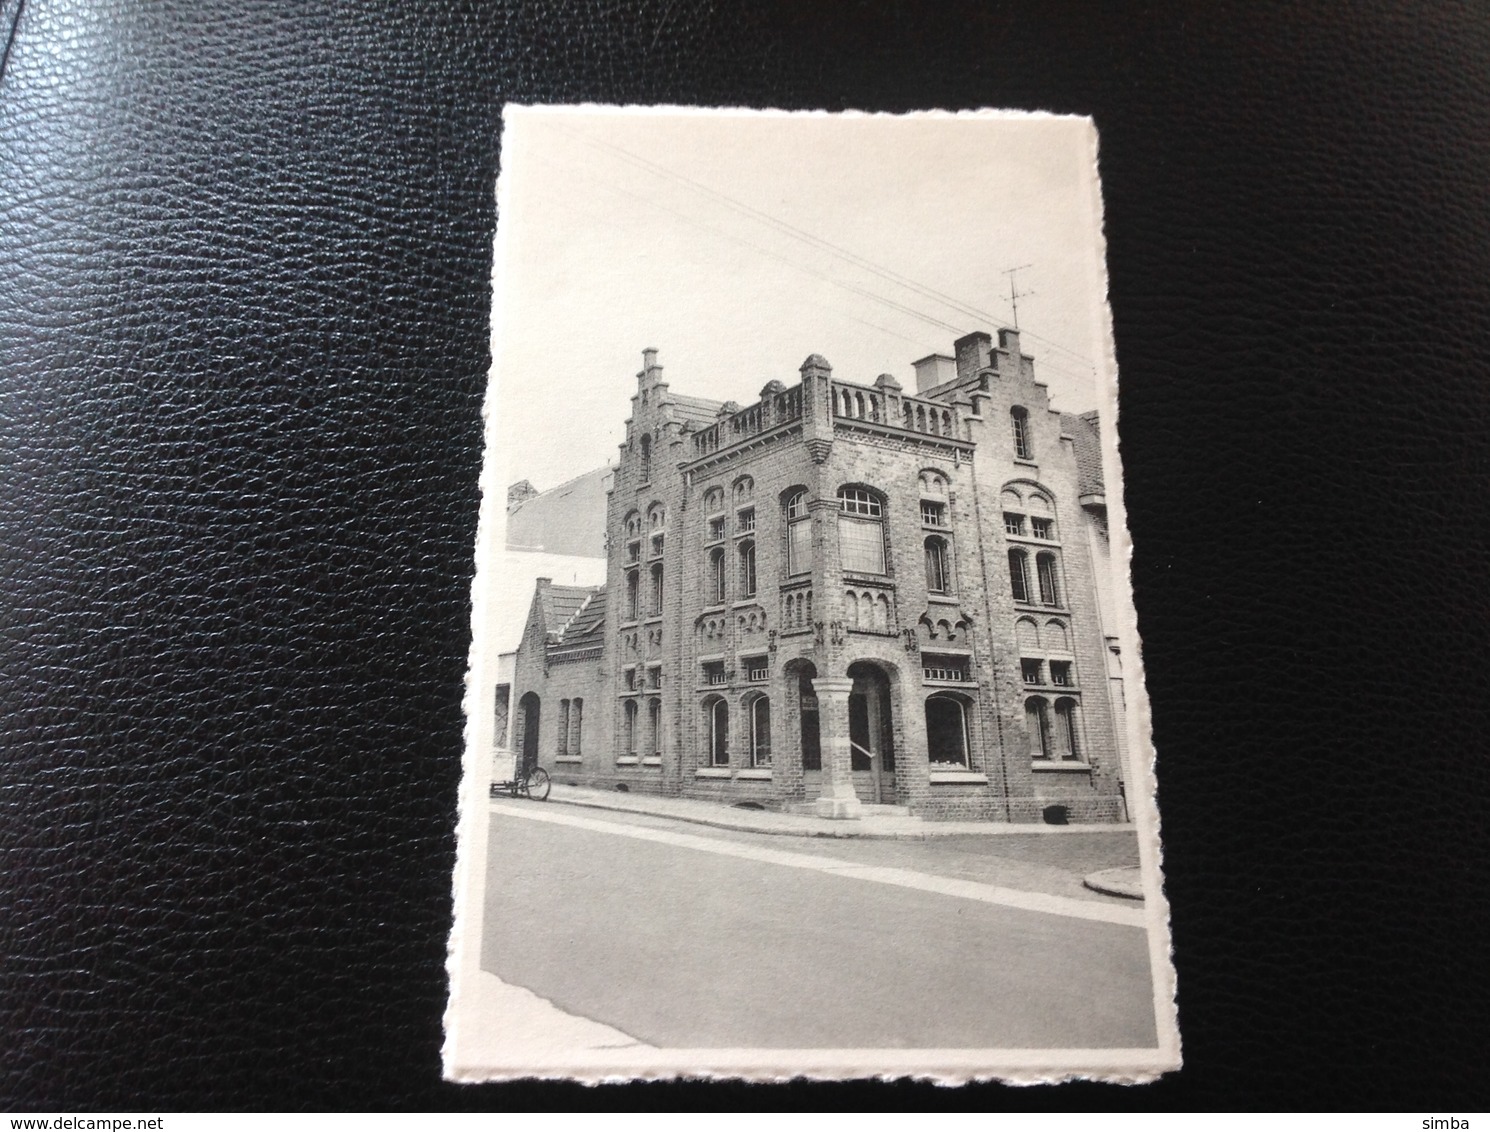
{"x": 844, "y": 595}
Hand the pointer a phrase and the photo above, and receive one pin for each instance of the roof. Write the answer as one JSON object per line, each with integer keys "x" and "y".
{"x": 587, "y": 626}
{"x": 568, "y": 519}
{"x": 697, "y": 410}
{"x": 560, "y": 604}
{"x": 1086, "y": 431}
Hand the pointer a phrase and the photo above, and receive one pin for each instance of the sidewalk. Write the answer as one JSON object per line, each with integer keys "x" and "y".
{"x": 878, "y": 826}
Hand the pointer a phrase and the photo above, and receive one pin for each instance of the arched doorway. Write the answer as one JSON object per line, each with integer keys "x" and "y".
{"x": 871, "y": 732}
{"x": 528, "y": 711}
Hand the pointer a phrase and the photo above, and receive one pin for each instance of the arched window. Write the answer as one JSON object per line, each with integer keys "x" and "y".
{"x": 1019, "y": 421}
{"x": 1028, "y": 634}
{"x": 747, "y": 568}
{"x": 798, "y": 534}
{"x": 938, "y": 566}
{"x": 1019, "y": 575}
{"x": 861, "y": 533}
{"x": 646, "y": 468}
{"x": 562, "y": 736}
{"x": 1065, "y": 722}
{"x": 654, "y": 727}
{"x": 656, "y": 589}
{"x": 946, "y": 730}
{"x": 576, "y": 726}
{"x": 629, "y": 736}
{"x": 1045, "y": 567}
{"x": 716, "y": 737}
{"x": 1042, "y": 521}
{"x": 656, "y": 517}
{"x": 1037, "y": 723}
{"x": 633, "y": 585}
{"x": 760, "y": 732}
{"x": 714, "y": 519}
{"x": 744, "y": 490}
{"x": 717, "y": 586}
{"x": 713, "y": 500}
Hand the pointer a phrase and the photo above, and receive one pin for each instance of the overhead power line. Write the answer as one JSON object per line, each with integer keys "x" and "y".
{"x": 983, "y": 317}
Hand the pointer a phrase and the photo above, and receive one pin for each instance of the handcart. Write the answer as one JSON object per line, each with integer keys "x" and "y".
{"x": 506, "y": 778}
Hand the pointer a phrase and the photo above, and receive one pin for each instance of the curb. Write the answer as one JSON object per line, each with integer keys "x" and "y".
{"x": 1126, "y": 883}
{"x": 850, "y": 831}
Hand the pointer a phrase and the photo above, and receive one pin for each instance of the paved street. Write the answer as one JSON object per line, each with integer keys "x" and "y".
{"x": 689, "y": 937}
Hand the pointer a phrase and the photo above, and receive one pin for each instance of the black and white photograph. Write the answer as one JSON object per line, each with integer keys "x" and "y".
{"x": 805, "y": 719}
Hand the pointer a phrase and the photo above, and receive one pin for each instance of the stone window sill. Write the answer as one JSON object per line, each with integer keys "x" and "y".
{"x": 958, "y": 776}
{"x": 652, "y": 760}
{"x": 568, "y": 759}
{"x": 1067, "y": 766}
{"x": 711, "y": 772}
{"x": 757, "y": 774}
{"x": 626, "y": 760}
{"x": 943, "y": 599}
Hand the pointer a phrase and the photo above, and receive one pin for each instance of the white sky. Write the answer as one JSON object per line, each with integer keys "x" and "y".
{"x": 614, "y": 235}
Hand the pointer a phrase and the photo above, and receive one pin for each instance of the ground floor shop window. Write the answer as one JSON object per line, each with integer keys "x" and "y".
{"x": 946, "y": 730}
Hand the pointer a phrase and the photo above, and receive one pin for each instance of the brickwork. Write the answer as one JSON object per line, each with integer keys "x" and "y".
{"x": 844, "y": 531}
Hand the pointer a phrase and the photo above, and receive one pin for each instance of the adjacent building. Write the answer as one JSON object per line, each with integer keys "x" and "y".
{"x": 843, "y": 595}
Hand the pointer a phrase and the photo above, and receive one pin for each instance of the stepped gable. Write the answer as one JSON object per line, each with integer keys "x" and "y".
{"x": 1085, "y": 430}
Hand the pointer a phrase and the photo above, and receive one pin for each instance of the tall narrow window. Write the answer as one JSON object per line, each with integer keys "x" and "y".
{"x": 654, "y": 727}
{"x": 1019, "y": 421}
{"x": 861, "y": 534}
{"x": 798, "y": 534}
{"x": 562, "y": 737}
{"x": 747, "y": 569}
{"x": 1019, "y": 577}
{"x": 576, "y": 726}
{"x": 646, "y": 468}
{"x": 718, "y": 732}
{"x": 717, "y": 585}
{"x": 1037, "y": 723}
{"x": 657, "y": 589}
{"x": 633, "y": 584}
{"x": 938, "y": 576}
{"x": 1045, "y": 566}
{"x": 629, "y": 737}
{"x": 1065, "y": 718}
{"x": 760, "y": 732}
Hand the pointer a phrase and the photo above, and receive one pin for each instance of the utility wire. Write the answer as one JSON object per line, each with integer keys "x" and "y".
{"x": 792, "y": 230}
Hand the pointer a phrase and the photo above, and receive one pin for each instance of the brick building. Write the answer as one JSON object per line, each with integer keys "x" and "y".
{"x": 844, "y": 595}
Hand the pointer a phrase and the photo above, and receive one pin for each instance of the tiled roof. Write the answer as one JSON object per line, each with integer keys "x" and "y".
{"x": 588, "y": 624}
{"x": 560, "y": 604}
{"x": 697, "y": 410}
{"x": 1086, "y": 431}
{"x": 568, "y": 519}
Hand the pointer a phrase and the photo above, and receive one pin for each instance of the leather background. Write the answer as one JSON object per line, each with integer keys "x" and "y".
{"x": 244, "y": 258}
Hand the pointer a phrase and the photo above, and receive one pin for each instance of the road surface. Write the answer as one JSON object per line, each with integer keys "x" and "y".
{"x": 684, "y": 940}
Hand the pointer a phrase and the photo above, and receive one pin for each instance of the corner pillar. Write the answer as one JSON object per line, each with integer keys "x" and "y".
{"x": 837, "y": 799}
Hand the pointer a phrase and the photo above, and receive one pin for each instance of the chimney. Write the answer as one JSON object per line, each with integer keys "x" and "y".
{"x": 520, "y": 492}
{"x": 973, "y": 352}
{"x": 934, "y": 370}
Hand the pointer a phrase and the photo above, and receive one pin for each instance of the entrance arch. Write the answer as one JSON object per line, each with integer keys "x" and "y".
{"x": 801, "y": 738}
{"x": 872, "y": 731}
{"x": 528, "y": 718}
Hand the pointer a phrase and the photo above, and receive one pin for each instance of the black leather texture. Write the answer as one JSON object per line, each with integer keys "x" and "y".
{"x": 244, "y": 262}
